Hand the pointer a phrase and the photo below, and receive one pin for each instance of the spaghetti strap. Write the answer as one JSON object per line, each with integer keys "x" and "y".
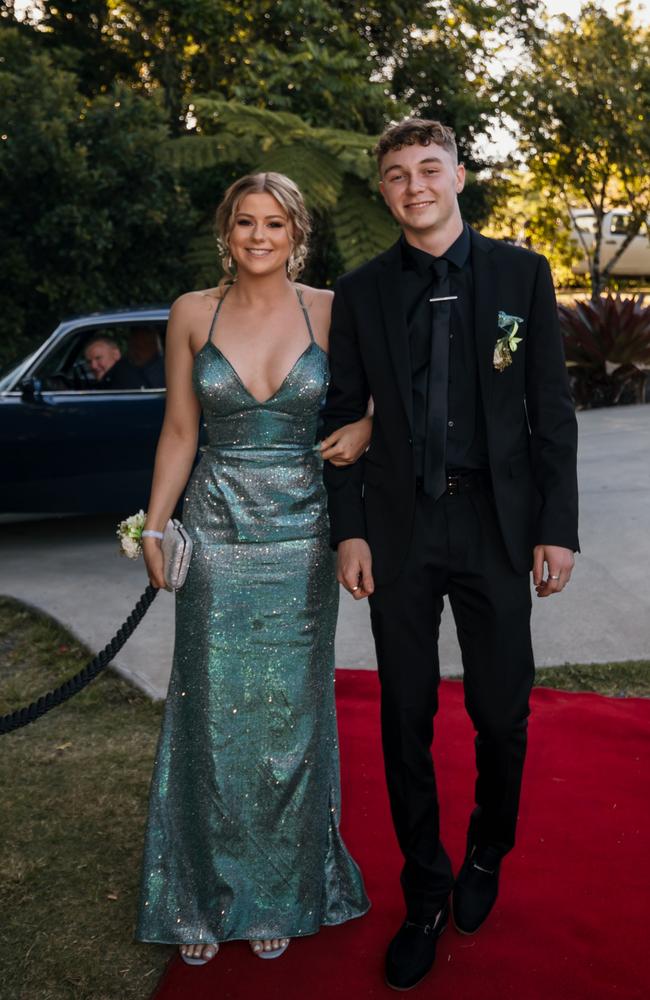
{"x": 306, "y": 315}
{"x": 216, "y": 312}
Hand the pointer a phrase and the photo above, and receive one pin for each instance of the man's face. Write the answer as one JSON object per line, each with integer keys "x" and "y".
{"x": 420, "y": 185}
{"x": 101, "y": 357}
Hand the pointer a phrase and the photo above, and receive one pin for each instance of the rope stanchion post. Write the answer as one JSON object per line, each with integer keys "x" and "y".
{"x": 29, "y": 713}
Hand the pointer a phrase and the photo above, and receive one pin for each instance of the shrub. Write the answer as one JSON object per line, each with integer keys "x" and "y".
{"x": 607, "y": 346}
{"x": 91, "y": 216}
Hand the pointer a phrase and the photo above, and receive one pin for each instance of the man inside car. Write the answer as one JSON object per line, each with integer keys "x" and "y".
{"x": 102, "y": 354}
{"x": 142, "y": 368}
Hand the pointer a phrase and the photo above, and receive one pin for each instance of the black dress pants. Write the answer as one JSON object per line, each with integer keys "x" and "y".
{"x": 456, "y": 549}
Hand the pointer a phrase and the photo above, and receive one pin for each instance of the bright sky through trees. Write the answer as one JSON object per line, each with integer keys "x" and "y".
{"x": 572, "y": 8}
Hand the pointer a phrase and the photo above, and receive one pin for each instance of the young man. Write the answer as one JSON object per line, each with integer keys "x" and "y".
{"x": 469, "y": 482}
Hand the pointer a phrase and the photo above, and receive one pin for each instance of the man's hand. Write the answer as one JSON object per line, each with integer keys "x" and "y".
{"x": 346, "y": 445}
{"x": 354, "y": 567}
{"x": 560, "y": 564}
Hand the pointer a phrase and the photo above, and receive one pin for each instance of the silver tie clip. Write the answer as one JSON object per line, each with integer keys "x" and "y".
{"x": 444, "y": 298}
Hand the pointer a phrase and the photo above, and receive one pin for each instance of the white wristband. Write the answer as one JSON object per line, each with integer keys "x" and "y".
{"x": 149, "y": 533}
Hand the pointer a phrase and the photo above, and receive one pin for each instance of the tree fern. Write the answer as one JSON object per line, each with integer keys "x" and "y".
{"x": 334, "y": 169}
{"x": 318, "y": 175}
{"x": 362, "y": 225}
{"x": 202, "y": 257}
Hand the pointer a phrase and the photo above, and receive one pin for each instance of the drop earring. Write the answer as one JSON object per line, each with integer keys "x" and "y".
{"x": 227, "y": 263}
{"x": 293, "y": 266}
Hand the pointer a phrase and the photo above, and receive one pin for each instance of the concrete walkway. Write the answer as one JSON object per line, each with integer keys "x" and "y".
{"x": 71, "y": 568}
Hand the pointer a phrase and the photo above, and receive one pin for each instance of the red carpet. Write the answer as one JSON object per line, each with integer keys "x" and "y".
{"x": 571, "y": 921}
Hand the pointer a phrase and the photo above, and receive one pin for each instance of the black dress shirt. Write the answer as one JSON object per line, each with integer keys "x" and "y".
{"x": 466, "y": 432}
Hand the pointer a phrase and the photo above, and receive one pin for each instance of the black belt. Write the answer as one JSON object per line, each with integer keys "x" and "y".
{"x": 468, "y": 481}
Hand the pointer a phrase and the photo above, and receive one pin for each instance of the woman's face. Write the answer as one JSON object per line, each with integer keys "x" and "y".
{"x": 260, "y": 239}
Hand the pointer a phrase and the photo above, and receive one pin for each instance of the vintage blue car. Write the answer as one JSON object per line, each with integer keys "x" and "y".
{"x": 69, "y": 442}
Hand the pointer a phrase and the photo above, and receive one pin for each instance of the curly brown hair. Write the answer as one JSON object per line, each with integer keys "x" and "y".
{"x": 412, "y": 131}
{"x": 287, "y": 194}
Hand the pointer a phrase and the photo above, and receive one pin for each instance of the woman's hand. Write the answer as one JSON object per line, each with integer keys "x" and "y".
{"x": 153, "y": 558}
{"x": 347, "y": 444}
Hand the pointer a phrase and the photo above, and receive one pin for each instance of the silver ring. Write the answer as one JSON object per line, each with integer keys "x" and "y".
{"x": 554, "y": 577}
{"x": 355, "y": 588}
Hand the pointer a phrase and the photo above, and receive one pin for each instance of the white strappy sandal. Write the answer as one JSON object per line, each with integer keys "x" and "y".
{"x": 273, "y": 953}
{"x": 199, "y": 961}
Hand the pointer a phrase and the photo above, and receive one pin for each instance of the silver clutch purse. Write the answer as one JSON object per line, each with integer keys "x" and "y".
{"x": 177, "y": 552}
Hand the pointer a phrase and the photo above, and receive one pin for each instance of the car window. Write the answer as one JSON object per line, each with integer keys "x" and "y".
{"x": 621, "y": 223}
{"x": 115, "y": 356}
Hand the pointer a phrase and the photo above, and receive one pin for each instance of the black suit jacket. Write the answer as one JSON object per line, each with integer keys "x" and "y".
{"x": 529, "y": 415}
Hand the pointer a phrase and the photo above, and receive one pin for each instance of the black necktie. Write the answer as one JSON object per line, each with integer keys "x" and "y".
{"x": 435, "y": 477}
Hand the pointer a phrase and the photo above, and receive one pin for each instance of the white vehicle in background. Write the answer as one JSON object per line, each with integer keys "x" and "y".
{"x": 635, "y": 259}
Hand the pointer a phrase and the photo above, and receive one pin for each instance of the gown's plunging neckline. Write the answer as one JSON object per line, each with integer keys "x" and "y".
{"x": 268, "y": 399}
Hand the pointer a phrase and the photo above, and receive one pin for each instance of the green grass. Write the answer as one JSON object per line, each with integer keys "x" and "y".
{"x": 627, "y": 679}
{"x": 73, "y": 811}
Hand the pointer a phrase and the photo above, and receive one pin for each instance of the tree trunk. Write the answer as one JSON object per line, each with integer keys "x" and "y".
{"x": 597, "y": 282}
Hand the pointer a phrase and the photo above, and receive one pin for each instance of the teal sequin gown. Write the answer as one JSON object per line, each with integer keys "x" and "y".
{"x": 242, "y": 839}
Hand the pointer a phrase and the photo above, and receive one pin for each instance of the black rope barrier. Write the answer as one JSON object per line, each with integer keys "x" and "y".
{"x": 29, "y": 713}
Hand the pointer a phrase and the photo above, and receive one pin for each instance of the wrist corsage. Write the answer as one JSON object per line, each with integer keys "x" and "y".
{"x": 176, "y": 546}
{"x": 129, "y": 533}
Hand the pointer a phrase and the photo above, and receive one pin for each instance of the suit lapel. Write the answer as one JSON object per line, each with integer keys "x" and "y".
{"x": 486, "y": 279}
{"x": 389, "y": 280}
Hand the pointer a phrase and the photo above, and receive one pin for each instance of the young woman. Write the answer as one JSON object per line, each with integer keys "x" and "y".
{"x": 243, "y": 839}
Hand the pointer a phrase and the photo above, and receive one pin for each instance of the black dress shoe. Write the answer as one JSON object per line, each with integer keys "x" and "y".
{"x": 476, "y": 888}
{"x": 412, "y": 951}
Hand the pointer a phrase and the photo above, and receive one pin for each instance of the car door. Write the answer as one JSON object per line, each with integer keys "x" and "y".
{"x": 71, "y": 446}
{"x": 635, "y": 259}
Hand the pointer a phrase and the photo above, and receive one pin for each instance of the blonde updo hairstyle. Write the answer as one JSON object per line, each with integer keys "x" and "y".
{"x": 288, "y": 195}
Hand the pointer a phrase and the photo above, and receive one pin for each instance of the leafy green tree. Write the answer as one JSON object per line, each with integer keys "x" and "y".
{"x": 582, "y": 107}
{"x": 90, "y": 212}
{"x": 344, "y": 65}
{"x": 334, "y": 169}
{"x": 326, "y": 70}
{"x": 445, "y": 68}
{"x": 523, "y": 211}
{"x": 282, "y": 54}
{"x": 81, "y": 37}
{"x": 306, "y": 57}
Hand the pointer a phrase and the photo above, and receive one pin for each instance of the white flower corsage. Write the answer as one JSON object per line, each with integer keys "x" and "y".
{"x": 506, "y": 345}
{"x": 129, "y": 533}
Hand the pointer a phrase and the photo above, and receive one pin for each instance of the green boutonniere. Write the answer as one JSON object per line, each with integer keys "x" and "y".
{"x": 506, "y": 345}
